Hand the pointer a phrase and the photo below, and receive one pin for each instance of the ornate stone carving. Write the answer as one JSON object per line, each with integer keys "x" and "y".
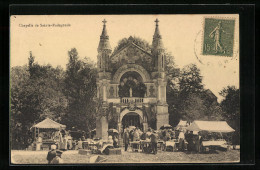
{"x": 132, "y": 106}
{"x": 131, "y": 67}
{"x": 131, "y": 53}
{"x": 152, "y": 91}
{"x": 111, "y": 91}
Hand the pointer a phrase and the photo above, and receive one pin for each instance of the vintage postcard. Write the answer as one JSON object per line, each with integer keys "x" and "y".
{"x": 124, "y": 89}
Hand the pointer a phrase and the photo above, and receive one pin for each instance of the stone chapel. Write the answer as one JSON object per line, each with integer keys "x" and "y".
{"x": 132, "y": 83}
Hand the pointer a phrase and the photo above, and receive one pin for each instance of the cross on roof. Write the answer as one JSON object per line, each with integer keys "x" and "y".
{"x": 156, "y": 21}
{"x": 104, "y": 21}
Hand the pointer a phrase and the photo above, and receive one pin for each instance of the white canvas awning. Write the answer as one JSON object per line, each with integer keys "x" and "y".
{"x": 210, "y": 126}
{"x": 182, "y": 123}
{"x": 49, "y": 124}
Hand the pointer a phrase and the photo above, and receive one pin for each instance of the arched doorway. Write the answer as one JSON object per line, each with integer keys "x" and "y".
{"x": 132, "y": 119}
{"x": 131, "y": 85}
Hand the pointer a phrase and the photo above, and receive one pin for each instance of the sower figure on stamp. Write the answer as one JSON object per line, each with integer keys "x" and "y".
{"x": 216, "y": 34}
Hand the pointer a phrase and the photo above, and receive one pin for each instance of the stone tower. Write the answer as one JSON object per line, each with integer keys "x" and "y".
{"x": 104, "y": 51}
{"x": 159, "y": 76}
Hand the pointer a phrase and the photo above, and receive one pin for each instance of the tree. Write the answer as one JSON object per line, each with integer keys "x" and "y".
{"x": 182, "y": 93}
{"x": 190, "y": 80}
{"x": 36, "y": 93}
{"x": 231, "y": 110}
{"x": 188, "y": 100}
{"x": 80, "y": 90}
{"x": 18, "y": 78}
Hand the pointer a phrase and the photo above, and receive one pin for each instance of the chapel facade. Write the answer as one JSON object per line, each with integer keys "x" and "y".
{"x": 131, "y": 85}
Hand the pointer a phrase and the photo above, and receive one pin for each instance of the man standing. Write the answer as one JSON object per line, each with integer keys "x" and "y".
{"x": 181, "y": 140}
{"x": 154, "y": 142}
{"x": 57, "y": 159}
{"x": 136, "y": 135}
{"x": 126, "y": 139}
{"x": 51, "y": 153}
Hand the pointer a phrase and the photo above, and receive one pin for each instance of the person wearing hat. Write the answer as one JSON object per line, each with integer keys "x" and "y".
{"x": 110, "y": 139}
{"x": 51, "y": 154}
{"x": 181, "y": 140}
{"x": 136, "y": 135}
{"x": 57, "y": 159}
{"x": 154, "y": 142}
{"x": 115, "y": 142}
{"x": 126, "y": 138}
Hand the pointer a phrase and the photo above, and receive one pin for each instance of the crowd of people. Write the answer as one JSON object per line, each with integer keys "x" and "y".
{"x": 183, "y": 141}
{"x": 132, "y": 135}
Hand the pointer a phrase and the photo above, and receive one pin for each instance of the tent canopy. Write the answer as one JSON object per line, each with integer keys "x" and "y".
{"x": 166, "y": 126}
{"x": 182, "y": 123}
{"x": 112, "y": 131}
{"x": 210, "y": 126}
{"x": 49, "y": 124}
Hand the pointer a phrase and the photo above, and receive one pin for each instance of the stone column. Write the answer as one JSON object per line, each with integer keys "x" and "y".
{"x": 162, "y": 115}
{"x": 119, "y": 128}
{"x": 104, "y": 92}
{"x": 163, "y": 92}
{"x": 145, "y": 127}
{"x": 102, "y": 128}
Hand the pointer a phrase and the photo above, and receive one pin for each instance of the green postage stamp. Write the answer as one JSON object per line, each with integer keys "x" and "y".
{"x": 218, "y": 37}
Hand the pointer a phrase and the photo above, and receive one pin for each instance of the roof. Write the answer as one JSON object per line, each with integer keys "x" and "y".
{"x": 131, "y": 43}
{"x": 49, "y": 124}
{"x": 211, "y": 126}
{"x": 182, "y": 123}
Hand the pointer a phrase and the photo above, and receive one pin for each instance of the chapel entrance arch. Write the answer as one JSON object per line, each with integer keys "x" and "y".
{"x": 132, "y": 119}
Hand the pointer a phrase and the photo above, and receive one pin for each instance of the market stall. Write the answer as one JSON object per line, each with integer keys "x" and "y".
{"x": 166, "y": 126}
{"x": 47, "y": 133}
{"x": 182, "y": 125}
{"x": 211, "y": 127}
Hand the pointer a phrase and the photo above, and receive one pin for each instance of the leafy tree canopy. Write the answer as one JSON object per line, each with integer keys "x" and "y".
{"x": 231, "y": 109}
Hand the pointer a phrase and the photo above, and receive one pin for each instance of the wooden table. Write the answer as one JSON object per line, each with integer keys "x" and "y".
{"x": 160, "y": 145}
{"x": 211, "y": 145}
{"x": 136, "y": 146}
{"x": 146, "y": 146}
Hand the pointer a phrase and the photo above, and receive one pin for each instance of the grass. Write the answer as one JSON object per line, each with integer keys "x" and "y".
{"x": 72, "y": 157}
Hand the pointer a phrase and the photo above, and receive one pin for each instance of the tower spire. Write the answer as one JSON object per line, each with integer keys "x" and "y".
{"x": 158, "y": 49}
{"x": 157, "y": 38}
{"x": 157, "y": 31}
{"x": 104, "y": 31}
{"x": 104, "y": 39}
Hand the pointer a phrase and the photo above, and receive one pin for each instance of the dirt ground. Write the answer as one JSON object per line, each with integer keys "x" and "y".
{"x": 72, "y": 157}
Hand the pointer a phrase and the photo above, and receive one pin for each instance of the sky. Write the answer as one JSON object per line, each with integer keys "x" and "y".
{"x": 182, "y": 35}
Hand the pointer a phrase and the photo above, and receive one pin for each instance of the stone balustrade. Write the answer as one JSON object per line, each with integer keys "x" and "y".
{"x": 132, "y": 100}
